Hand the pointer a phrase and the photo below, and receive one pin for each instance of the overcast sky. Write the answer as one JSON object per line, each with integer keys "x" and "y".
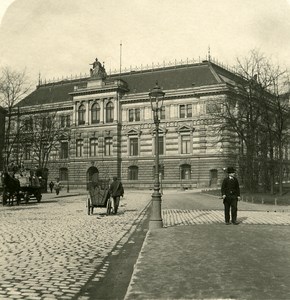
{"x": 62, "y": 37}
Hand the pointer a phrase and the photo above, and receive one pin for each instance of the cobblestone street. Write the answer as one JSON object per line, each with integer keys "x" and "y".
{"x": 49, "y": 250}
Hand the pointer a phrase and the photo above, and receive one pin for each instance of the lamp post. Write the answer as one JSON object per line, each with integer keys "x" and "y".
{"x": 156, "y": 99}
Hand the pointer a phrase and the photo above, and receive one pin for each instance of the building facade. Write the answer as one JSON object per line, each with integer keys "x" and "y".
{"x": 111, "y": 128}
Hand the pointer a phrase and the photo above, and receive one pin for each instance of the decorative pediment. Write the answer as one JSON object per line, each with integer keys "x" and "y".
{"x": 133, "y": 131}
{"x": 162, "y": 130}
{"x": 185, "y": 128}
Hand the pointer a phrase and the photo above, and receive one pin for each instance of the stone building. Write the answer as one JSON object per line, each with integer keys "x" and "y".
{"x": 111, "y": 128}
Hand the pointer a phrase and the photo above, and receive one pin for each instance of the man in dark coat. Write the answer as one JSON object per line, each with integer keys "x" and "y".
{"x": 116, "y": 191}
{"x": 231, "y": 195}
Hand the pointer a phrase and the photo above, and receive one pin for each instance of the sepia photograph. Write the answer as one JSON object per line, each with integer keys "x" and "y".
{"x": 144, "y": 150}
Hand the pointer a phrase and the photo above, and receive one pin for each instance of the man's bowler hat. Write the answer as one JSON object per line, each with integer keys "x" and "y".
{"x": 231, "y": 170}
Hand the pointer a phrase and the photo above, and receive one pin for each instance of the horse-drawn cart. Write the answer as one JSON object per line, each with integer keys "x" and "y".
{"x": 99, "y": 196}
{"x": 30, "y": 186}
{"x": 20, "y": 186}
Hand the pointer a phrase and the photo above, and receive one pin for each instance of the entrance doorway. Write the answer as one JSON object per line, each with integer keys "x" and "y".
{"x": 92, "y": 176}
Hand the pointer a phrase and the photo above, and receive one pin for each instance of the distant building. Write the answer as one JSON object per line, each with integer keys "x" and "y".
{"x": 112, "y": 130}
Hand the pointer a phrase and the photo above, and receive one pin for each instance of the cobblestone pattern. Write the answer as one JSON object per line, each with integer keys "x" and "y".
{"x": 49, "y": 250}
{"x": 174, "y": 217}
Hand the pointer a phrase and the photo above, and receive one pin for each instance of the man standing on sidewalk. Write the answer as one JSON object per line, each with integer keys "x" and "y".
{"x": 231, "y": 194}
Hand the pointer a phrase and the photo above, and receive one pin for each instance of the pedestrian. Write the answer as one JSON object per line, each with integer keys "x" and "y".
{"x": 116, "y": 191}
{"x": 51, "y": 185}
{"x": 57, "y": 186}
{"x": 231, "y": 195}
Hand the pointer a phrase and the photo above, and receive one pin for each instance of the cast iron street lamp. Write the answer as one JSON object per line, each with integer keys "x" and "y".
{"x": 156, "y": 99}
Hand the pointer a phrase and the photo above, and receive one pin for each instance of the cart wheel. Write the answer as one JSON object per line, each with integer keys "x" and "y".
{"x": 109, "y": 206}
{"x": 89, "y": 205}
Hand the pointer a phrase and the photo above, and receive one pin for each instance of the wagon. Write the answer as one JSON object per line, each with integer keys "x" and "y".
{"x": 99, "y": 196}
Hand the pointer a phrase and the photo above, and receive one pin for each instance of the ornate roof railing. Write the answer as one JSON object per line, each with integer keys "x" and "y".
{"x": 147, "y": 67}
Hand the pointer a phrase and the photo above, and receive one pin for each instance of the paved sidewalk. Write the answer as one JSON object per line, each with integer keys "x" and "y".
{"x": 53, "y": 249}
{"x": 196, "y": 256}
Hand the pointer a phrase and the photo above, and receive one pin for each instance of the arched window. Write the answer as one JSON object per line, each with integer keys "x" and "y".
{"x": 133, "y": 173}
{"x": 161, "y": 171}
{"x": 81, "y": 114}
{"x": 110, "y": 112}
{"x": 95, "y": 113}
{"x": 185, "y": 171}
{"x": 63, "y": 174}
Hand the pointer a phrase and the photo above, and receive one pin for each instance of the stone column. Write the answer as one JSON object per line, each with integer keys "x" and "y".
{"x": 102, "y": 111}
{"x": 116, "y": 107}
{"x": 74, "y": 122}
{"x": 87, "y": 112}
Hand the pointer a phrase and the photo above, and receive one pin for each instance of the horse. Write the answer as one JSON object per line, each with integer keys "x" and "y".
{"x": 11, "y": 188}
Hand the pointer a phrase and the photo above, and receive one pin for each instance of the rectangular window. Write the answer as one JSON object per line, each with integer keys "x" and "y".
{"x": 185, "y": 144}
{"x": 182, "y": 111}
{"x": 161, "y": 145}
{"x": 63, "y": 150}
{"x": 79, "y": 148}
{"x": 137, "y": 114}
{"x": 133, "y": 173}
{"x": 68, "y": 121}
{"x": 62, "y": 121}
{"x": 161, "y": 172}
{"x": 185, "y": 111}
{"x": 189, "y": 110}
{"x": 133, "y": 147}
{"x": 108, "y": 146}
{"x": 162, "y": 113}
{"x": 93, "y": 147}
{"x": 131, "y": 115}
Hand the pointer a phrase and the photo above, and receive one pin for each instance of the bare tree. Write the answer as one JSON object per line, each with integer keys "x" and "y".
{"x": 43, "y": 133}
{"x": 255, "y": 117}
{"x": 13, "y": 87}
